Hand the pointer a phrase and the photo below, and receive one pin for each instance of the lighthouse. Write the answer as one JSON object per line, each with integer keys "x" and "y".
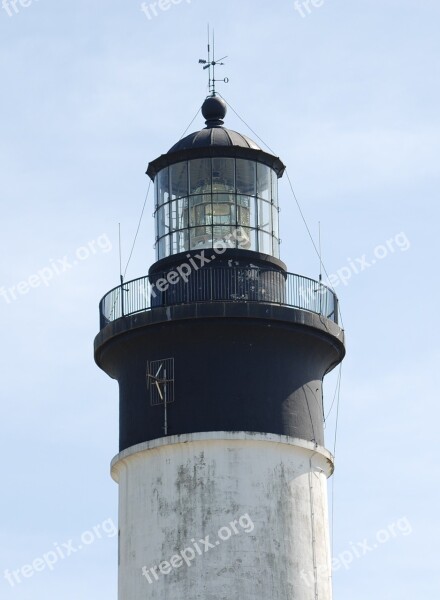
{"x": 220, "y": 354}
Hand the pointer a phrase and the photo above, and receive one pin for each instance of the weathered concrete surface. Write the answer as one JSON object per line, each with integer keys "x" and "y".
{"x": 175, "y": 491}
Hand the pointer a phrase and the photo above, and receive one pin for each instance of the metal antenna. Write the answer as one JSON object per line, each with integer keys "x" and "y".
{"x": 165, "y": 401}
{"x": 212, "y": 64}
{"x": 320, "y": 252}
{"x": 121, "y": 276}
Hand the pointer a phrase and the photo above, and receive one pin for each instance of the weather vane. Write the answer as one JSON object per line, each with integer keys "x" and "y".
{"x": 212, "y": 64}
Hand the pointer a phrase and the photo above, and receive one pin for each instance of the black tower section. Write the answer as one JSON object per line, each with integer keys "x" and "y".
{"x": 218, "y": 336}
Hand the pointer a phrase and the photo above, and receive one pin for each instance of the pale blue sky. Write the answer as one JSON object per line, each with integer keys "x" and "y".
{"x": 348, "y": 96}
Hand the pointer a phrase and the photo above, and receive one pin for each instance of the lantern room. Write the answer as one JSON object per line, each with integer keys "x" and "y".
{"x": 216, "y": 188}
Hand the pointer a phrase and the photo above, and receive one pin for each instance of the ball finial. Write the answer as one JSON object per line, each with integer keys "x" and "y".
{"x": 214, "y": 110}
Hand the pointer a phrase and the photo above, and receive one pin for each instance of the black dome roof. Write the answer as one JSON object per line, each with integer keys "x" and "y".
{"x": 214, "y": 136}
{"x": 214, "y": 110}
{"x": 214, "y": 139}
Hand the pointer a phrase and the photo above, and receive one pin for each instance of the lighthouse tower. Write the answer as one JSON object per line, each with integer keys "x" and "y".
{"x": 220, "y": 355}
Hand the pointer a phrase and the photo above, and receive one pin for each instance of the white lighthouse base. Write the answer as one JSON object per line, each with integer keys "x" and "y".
{"x": 224, "y": 516}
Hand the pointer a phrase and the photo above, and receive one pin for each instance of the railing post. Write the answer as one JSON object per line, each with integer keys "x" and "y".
{"x": 122, "y": 297}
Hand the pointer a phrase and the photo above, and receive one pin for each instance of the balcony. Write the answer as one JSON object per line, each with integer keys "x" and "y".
{"x": 219, "y": 284}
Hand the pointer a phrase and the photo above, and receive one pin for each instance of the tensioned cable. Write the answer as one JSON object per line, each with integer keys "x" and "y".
{"x": 333, "y": 513}
{"x": 337, "y": 408}
{"x": 296, "y": 200}
{"x": 313, "y": 242}
{"x": 146, "y": 197}
{"x": 248, "y": 126}
{"x": 138, "y": 228}
{"x": 195, "y": 117}
{"x": 132, "y": 248}
{"x": 145, "y": 203}
{"x": 337, "y": 388}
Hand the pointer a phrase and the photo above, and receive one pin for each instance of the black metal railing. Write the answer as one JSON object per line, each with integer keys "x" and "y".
{"x": 219, "y": 284}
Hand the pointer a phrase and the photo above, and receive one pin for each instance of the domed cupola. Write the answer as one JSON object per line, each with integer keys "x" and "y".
{"x": 212, "y": 183}
{"x": 214, "y": 134}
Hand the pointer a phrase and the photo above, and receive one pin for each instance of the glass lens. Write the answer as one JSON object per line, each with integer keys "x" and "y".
{"x": 246, "y": 177}
{"x": 265, "y": 216}
{"x": 264, "y": 184}
{"x": 223, "y": 175}
{"x": 179, "y": 180}
{"x": 274, "y": 188}
{"x": 163, "y": 187}
{"x": 200, "y": 176}
{"x": 264, "y": 243}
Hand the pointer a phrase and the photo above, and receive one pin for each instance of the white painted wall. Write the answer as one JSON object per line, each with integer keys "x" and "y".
{"x": 183, "y": 488}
